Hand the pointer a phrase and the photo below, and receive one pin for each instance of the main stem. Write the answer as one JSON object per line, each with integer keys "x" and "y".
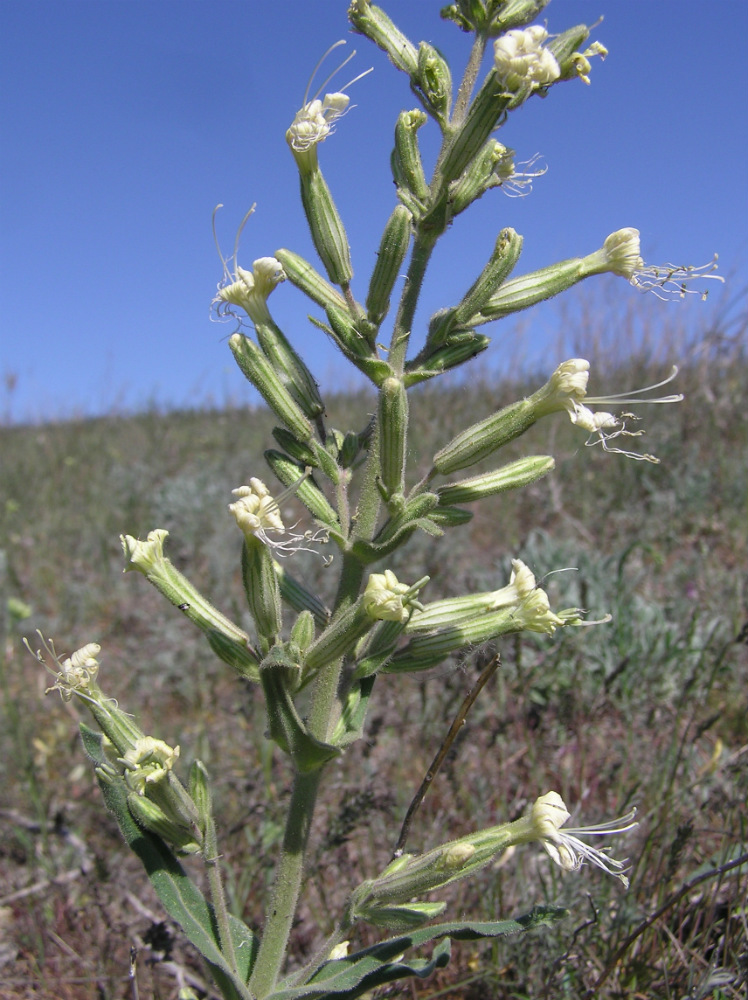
{"x": 287, "y": 884}
{"x": 290, "y": 871}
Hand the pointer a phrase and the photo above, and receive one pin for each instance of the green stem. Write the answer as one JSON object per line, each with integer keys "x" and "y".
{"x": 287, "y": 885}
{"x": 290, "y": 871}
{"x": 423, "y": 246}
{"x": 218, "y": 897}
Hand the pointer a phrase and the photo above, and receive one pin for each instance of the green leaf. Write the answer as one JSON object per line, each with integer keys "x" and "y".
{"x": 180, "y": 897}
{"x": 350, "y": 977}
{"x": 286, "y": 726}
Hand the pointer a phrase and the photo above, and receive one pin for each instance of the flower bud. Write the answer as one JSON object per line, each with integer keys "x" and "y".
{"x": 301, "y": 274}
{"x": 482, "y": 439}
{"x": 339, "y": 638}
{"x": 200, "y": 792}
{"x": 261, "y": 589}
{"x": 298, "y": 450}
{"x": 434, "y": 81}
{"x": 292, "y": 371}
{"x": 484, "y": 114}
{"x": 255, "y": 366}
{"x": 302, "y": 633}
{"x": 384, "y": 595}
{"x": 328, "y": 233}
{"x": 393, "y": 429}
{"x": 407, "y": 168}
{"x": 483, "y": 173}
{"x": 390, "y": 257}
{"x": 460, "y": 348}
{"x": 151, "y": 816}
{"x": 491, "y": 18}
{"x": 508, "y": 477}
{"x": 369, "y": 20}
{"x": 505, "y": 255}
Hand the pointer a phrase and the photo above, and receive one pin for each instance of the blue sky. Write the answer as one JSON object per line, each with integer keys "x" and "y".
{"x": 125, "y": 122}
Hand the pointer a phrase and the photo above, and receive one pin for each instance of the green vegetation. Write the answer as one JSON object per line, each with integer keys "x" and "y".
{"x": 650, "y": 710}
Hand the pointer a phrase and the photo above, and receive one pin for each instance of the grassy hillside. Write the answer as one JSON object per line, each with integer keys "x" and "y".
{"x": 650, "y": 710}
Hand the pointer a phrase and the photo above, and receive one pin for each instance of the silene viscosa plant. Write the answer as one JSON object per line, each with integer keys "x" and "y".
{"x": 327, "y": 660}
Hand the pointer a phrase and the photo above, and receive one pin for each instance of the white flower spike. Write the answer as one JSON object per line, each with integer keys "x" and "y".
{"x": 549, "y": 814}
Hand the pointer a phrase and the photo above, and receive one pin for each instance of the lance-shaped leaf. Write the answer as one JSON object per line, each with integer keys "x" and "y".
{"x": 354, "y": 975}
{"x": 179, "y": 896}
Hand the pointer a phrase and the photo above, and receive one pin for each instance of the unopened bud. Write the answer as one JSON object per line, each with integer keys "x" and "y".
{"x": 292, "y": 370}
{"x": 328, "y": 233}
{"x": 301, "y": 274}
{"x": 508, "y": 477}
{"x": 390, "y": 257}
{"x": 505, "y": 255}
{"x": 393, "y": 427}
{"x": 151, "y": 816}
{"x": 371, "y": 21}
{"x": 255, "y": 366}
{"x": 407, "y": 168}
{"x": 434, "y": 81}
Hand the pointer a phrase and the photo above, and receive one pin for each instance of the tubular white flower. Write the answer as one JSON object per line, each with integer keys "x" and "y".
{"x": 315, "y": 121}
{"x": 257, "y": 513}
{"x": 316, "y": 118}
{"x": 247, "y": 289}
{"x": 521, "y": 62}
{"x": 567, "y": 390}
{"x": 452, "y": 610}
{"x": 548, "y": 815}
{"x": 621, "y": 254}
{"x": 250, "y": 289}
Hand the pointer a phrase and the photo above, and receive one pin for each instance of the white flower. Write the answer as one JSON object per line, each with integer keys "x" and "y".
{"x": 567, "y": 390}
{"x": 76, "y": 673}
{"x": 148, "y": 762}
{"x": 250, "y": 289}
{"x": 521, "y": 62}
{"x": 247, "y": 289}
{"x": 514, "y": 182}
{"x": 258, "y": 514}
{"x": 383, "y": 597}
{"x": 316, "y": 118}
{"x": 549, "y": 814}
{"x": 621, "y": 254}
